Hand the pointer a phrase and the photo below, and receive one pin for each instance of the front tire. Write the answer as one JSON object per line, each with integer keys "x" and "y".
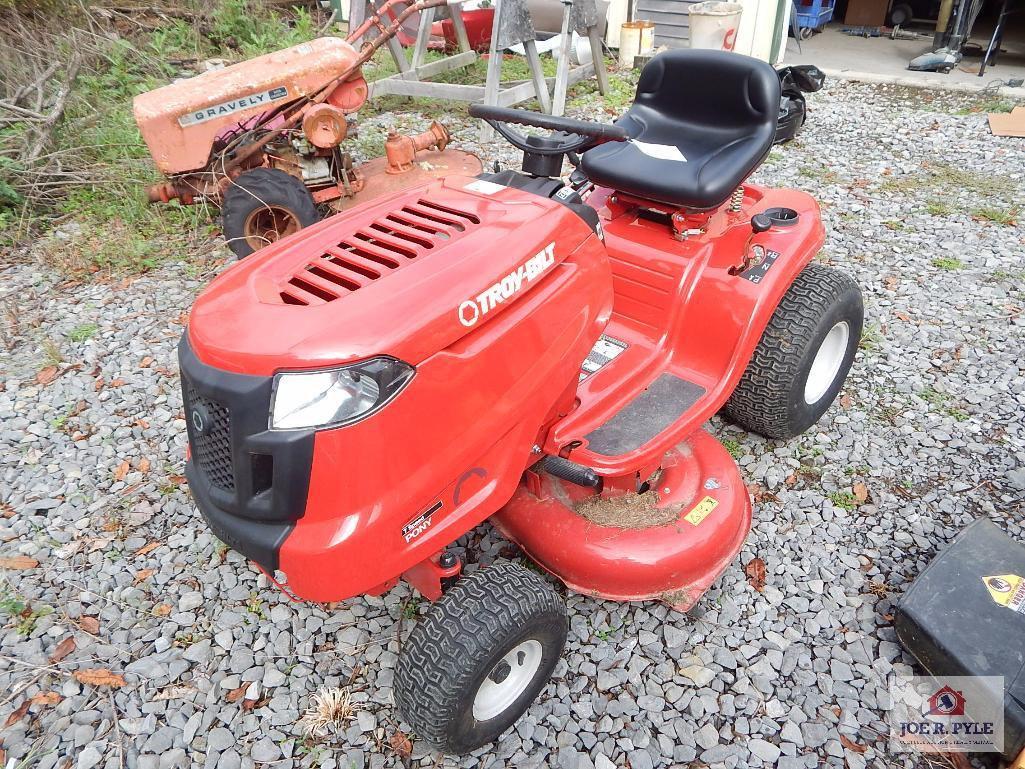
{"x": 264, "y": 205}
{"x": 480, "y": 657}
{"x": 803, "y": 357}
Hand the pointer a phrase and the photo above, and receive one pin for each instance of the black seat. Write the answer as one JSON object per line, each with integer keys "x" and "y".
{"x": 700, "y": 123}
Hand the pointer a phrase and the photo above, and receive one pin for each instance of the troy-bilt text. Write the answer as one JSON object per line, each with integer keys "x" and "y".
{"x": 471, "y": 310}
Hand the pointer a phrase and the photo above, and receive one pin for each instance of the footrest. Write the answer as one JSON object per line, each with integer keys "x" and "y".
{"x": 647, "y": 415}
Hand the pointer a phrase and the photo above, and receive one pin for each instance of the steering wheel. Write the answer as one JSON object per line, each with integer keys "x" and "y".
{"x": 570, "y": 135}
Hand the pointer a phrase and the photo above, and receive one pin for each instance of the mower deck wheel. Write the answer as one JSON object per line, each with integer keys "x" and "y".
{"x": 803, "y": 357}
{"x": 484, "y": 651}
{"x": 264, "y": 205}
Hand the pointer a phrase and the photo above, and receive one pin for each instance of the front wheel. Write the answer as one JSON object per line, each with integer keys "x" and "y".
{"x": 484, "y": 651}
{"x": 803, "y": 357}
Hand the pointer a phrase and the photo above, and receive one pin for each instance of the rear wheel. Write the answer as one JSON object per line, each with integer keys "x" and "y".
{"x": 264, "y": 205}
{"x": 484, "y": 651}
{"x": 803, "y": 357}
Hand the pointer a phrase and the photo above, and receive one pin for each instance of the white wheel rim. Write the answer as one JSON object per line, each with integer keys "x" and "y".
{"x": 827, "y": 363}
{"x": 507, "y": 680}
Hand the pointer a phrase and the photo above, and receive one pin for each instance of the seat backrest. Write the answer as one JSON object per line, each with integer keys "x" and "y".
{"x": 715, "y": 89}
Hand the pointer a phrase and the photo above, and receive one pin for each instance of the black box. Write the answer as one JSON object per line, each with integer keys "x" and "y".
{"x": 952, "y": 624}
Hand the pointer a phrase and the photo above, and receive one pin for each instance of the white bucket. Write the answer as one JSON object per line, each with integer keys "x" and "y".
{"x": 714, "y": 24}
{"x": 635, "y": 37}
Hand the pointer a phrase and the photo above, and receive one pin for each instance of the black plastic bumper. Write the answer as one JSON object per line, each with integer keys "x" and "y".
{"x": 249, "y": 482}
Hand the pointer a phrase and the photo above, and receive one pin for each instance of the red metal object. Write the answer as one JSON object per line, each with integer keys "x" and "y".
{"x": 428, "y": 276}
{"x": 478, "y": 23}
{"x": 428, "y": 576}
{"x": 674, "y": 562}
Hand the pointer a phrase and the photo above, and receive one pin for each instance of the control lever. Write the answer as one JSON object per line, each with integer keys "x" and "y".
{"x": 753, "y": 254}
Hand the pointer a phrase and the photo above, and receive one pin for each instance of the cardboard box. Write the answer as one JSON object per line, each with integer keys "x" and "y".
{"x": 1008, "y": 123}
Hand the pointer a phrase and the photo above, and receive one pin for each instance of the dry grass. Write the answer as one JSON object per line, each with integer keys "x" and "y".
{"x": 330, "y": 711}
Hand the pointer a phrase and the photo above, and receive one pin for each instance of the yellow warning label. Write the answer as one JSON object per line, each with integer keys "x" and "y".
{"x": 701, "y": 510}
{"x": 1007, "y": 590}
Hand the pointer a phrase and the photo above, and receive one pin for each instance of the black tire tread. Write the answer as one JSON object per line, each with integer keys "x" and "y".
{"x": 256, "y": 187}
{"x": 759, "y": 402}
{"x": 468, "y": 622}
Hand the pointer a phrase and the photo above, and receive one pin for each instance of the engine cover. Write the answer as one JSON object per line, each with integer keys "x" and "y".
{"x": 181, "y": 121}
{"x": 496, "y": 295}
{"x": 406, "y": 275}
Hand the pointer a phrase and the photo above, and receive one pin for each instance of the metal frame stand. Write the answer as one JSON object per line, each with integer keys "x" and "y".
{"x": 512, "y": 26}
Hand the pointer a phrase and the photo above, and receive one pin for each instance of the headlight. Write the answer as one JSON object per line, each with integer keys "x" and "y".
{"x": 338, "y": 396}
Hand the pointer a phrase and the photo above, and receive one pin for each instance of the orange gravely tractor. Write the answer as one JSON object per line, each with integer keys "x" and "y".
{"x": 264, "y": 139}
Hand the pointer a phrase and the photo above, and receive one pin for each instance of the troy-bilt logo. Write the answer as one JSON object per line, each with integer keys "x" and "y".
{"x": 472, "y": 310}
{"x": 421, "y": 523}
{"x": 226, "y": 108}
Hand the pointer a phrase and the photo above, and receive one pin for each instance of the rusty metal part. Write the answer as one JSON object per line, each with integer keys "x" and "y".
{"x": 350, "y": 95}
{"x": 188, "y": 187}
{"x": 325, "y": 126}
{"x": 268, "y": 224}
{"x": 377, "y": 181}
{"x": 294, "y": 112}
{"x": 401, "y": 149}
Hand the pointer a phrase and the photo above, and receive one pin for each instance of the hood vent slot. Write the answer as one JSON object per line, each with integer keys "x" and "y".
{"x": 375, "y": 250}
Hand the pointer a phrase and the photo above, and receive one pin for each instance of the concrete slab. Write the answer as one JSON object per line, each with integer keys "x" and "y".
{"x": 882, "y": 60}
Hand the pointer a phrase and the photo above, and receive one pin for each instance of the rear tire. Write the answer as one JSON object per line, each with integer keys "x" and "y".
{"x": 803, "y": 357}
{"x": 262, "y": 206}
{"x": 480, "y": 657}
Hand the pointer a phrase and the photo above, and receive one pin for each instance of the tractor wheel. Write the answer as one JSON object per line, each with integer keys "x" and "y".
{"x": 803, "y": 357}
{"x": 264, "y": 205}
{"x": 484, "y": 651}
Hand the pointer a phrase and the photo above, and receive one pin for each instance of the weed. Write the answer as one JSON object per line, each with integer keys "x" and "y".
{"x": 997, "y": 215}
{"x": 991, "y": 105}
{"x": 20, "y": 611}
{"x": 820, "y": 172}
{"x": 871, "y": 337}
{"x": 255, "y": 606}
{"x": 948, "y": 263}
{"x": 51, "y": 352}
{"x": 930, "y": 395}
{"x": 733, "y": 447}
{"x": 844, "y": 499}
{"x": 59, "y": 423}
{"x": 939, "y": 208}
{"x": 957, "y": 414}
{"x": 895, "y": 224}
{"x": 410, "y": 608}
{"x": 83, "y": 332}
{"x": 330, "y": 710}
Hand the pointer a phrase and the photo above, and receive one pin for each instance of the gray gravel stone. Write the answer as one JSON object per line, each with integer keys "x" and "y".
{"x": 931, "y": 421}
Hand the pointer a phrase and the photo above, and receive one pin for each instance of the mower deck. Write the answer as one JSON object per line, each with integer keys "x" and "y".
{"x": 657, "y": 376}
{"x": 669, "y": 543}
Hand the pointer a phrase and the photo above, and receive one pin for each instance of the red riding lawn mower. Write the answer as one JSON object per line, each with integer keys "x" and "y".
{"x": 265, "y": 140}
{"x": 542, "y": 355}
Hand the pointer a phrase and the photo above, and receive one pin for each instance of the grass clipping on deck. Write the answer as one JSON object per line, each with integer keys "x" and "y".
{"x": 629, "y": 511}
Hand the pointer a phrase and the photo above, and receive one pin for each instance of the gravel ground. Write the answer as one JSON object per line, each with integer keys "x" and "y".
{"x": 218, "y": 667}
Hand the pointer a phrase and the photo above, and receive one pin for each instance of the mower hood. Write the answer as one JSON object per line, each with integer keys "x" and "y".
{"x": 405, "y": 276}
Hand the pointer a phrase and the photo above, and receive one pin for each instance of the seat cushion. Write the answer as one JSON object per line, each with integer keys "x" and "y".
{"x": 700, "y": 123}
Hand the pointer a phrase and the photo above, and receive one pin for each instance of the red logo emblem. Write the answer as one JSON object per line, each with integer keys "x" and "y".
{"x": 946, "y": 702}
